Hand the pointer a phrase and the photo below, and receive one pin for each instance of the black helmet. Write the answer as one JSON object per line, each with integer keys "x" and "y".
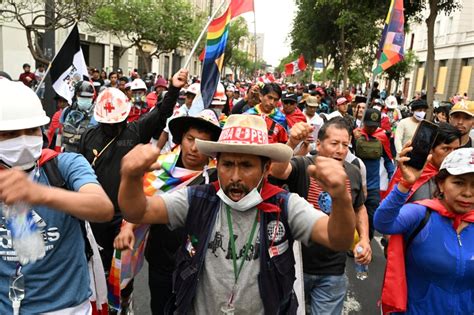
{"x": 85, "y": 89}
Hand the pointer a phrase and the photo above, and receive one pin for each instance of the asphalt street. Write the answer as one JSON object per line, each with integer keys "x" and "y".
{"x": 361, "y": 297}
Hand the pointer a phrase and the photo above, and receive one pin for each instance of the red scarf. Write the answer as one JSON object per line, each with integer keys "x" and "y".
{"x": 380, "y": 135}
{"x": 47, "y": 155}
{"x": 428, "y": 172}
{"x": 296, "y": 116}
{"x": 438, "y": 206}
{"x": 394, "y": 290}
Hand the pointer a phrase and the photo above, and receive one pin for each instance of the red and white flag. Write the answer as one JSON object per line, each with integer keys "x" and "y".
{"x": 295, "y": 66}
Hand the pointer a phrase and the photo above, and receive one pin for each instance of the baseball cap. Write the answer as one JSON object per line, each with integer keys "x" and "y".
{"x": 312, "y": 101}
{"x": 341, "y": 100}
{"x": 459, "y": 162}
{"x": 289, "y": 97}
{"x": 372, "y": 118}
{"x": 463, "y": 106}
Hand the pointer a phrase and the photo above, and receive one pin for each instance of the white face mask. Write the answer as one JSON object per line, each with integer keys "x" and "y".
{"x": 22, "y": 151}
{"x": 419, "y": 115}
{"x": 249, "y": 201}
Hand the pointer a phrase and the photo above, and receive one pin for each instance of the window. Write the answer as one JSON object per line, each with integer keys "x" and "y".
{"x": 442, "y": 72}
{"x": 437, "y": 28}
{"x": 449, "y": 25}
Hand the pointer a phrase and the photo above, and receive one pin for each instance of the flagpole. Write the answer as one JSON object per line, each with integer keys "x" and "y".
{"x": 255, "y": 36}
{"x": 51, "y": 62}
{"x": 204, "y": 30}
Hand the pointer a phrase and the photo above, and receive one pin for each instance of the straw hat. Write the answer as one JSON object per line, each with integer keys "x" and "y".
{"x": 245, "y": 134}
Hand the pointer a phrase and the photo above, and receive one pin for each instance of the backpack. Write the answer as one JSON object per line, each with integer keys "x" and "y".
{"x": 368, "y": 149}
{"x": 73, "y": 129}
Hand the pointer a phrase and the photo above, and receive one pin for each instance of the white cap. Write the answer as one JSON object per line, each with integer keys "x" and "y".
{"x": 459, "y": 162}
{"x": 391, "y": 102}
{"x": 20, "y": 107}
{"x": 138, "y": 84}
{"x": 219, "y": 97}
{"x": 194, "y": 88}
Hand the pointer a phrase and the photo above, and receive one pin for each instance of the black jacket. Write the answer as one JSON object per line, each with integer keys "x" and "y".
{"x": 107, "y": 166}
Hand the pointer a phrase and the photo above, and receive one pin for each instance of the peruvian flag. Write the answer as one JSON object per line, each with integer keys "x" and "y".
{"x": 238, "y": 7}
{"x": 295, "y": 66}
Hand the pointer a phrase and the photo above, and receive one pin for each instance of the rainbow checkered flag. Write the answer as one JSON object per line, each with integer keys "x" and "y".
{"x": 391, "y": 45}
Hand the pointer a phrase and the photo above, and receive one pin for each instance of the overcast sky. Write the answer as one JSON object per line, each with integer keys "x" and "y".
{"x": 274, "y": 19}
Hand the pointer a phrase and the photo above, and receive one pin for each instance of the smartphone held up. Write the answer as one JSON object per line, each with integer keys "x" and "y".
{"x": 422, "y": 142}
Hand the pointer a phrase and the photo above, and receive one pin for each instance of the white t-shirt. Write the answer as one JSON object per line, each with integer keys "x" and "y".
{"x": 217, "y": 276}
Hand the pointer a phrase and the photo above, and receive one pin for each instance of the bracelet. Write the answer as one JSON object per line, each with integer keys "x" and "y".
{"x": 405, "y": 184}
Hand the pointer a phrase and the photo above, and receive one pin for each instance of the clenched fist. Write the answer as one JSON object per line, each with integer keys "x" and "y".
{"x": 330, "y": 174}
{"x": 143, "y": 158}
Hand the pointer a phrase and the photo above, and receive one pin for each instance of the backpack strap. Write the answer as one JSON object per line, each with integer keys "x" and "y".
{"x": 418, "y": 229}
{"x": 271, "y": 131}
{"x": 55, "y": 179}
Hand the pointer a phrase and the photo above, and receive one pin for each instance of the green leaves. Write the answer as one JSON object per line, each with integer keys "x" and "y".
{"x": 166, "y": 24}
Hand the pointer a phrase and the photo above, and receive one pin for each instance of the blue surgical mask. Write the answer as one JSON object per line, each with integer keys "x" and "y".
{"x": 84, "y": 103}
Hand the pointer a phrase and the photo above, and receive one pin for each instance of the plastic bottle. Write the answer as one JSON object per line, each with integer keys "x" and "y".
{"x": 362, "y": 271}
{"x": 16, "y": 292}
{"x": 27, "y": 240}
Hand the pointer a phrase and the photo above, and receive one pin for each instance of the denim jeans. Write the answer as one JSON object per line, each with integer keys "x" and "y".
{"x": 372, "y": 202}
{"x": 325, "y": 294}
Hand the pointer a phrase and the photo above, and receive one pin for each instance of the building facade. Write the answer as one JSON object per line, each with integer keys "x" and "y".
{"x": 454, "y": 54}
{"x": 101, "y": 51}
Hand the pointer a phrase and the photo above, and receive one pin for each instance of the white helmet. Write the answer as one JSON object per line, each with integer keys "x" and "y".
{"x": 20, "y": 107}
{"x": 138, "y": 84}
{"x": 391, "y": 102}
{"x": 112, "y": 106}
{"x": 194, "y": 88}
{"x": 219, "y": 97}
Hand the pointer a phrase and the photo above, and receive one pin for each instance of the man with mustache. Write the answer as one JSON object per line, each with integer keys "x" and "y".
{"x": 324, "y": 269}
{"x": 238, "y": 254}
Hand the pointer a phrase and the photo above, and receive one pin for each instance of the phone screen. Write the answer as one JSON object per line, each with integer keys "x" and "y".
{"x": 422, "y": 142}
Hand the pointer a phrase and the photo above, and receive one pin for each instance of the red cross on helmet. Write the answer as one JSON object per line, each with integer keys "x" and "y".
{"x": 112, "y": 106}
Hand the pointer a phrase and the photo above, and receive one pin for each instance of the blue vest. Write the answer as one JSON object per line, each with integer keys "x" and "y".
{"x": 277, "y": 273}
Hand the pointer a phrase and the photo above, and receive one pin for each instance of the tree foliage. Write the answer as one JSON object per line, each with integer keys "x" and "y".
{"x": 338, "y": 31}
{"x": 238, "y": 31}
{"x": 33, "y": 17}
{"x": 165, "y": 24}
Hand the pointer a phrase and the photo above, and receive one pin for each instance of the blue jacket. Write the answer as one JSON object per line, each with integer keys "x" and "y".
{"x": 439, "y": 262}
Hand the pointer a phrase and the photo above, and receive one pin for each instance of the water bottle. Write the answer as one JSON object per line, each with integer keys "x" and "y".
{"x": 16, "y": 291}
{"x": 27, "y": 240}
{"x": 362, "y": 271}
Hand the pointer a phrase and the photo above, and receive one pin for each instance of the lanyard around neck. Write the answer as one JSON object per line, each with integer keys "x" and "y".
{"x": 232, "y": 243}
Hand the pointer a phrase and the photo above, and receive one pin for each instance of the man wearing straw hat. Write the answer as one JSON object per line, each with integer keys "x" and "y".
{"x": 251, "y": 272}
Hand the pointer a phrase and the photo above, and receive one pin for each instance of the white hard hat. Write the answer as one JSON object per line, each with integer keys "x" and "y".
{"x": 194, "y": 88}
{"x": 138, "y": 84}
{"x": 20, "y": 107}
{"x": 219, "y": 97}
{"x": 112, "y": 106}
